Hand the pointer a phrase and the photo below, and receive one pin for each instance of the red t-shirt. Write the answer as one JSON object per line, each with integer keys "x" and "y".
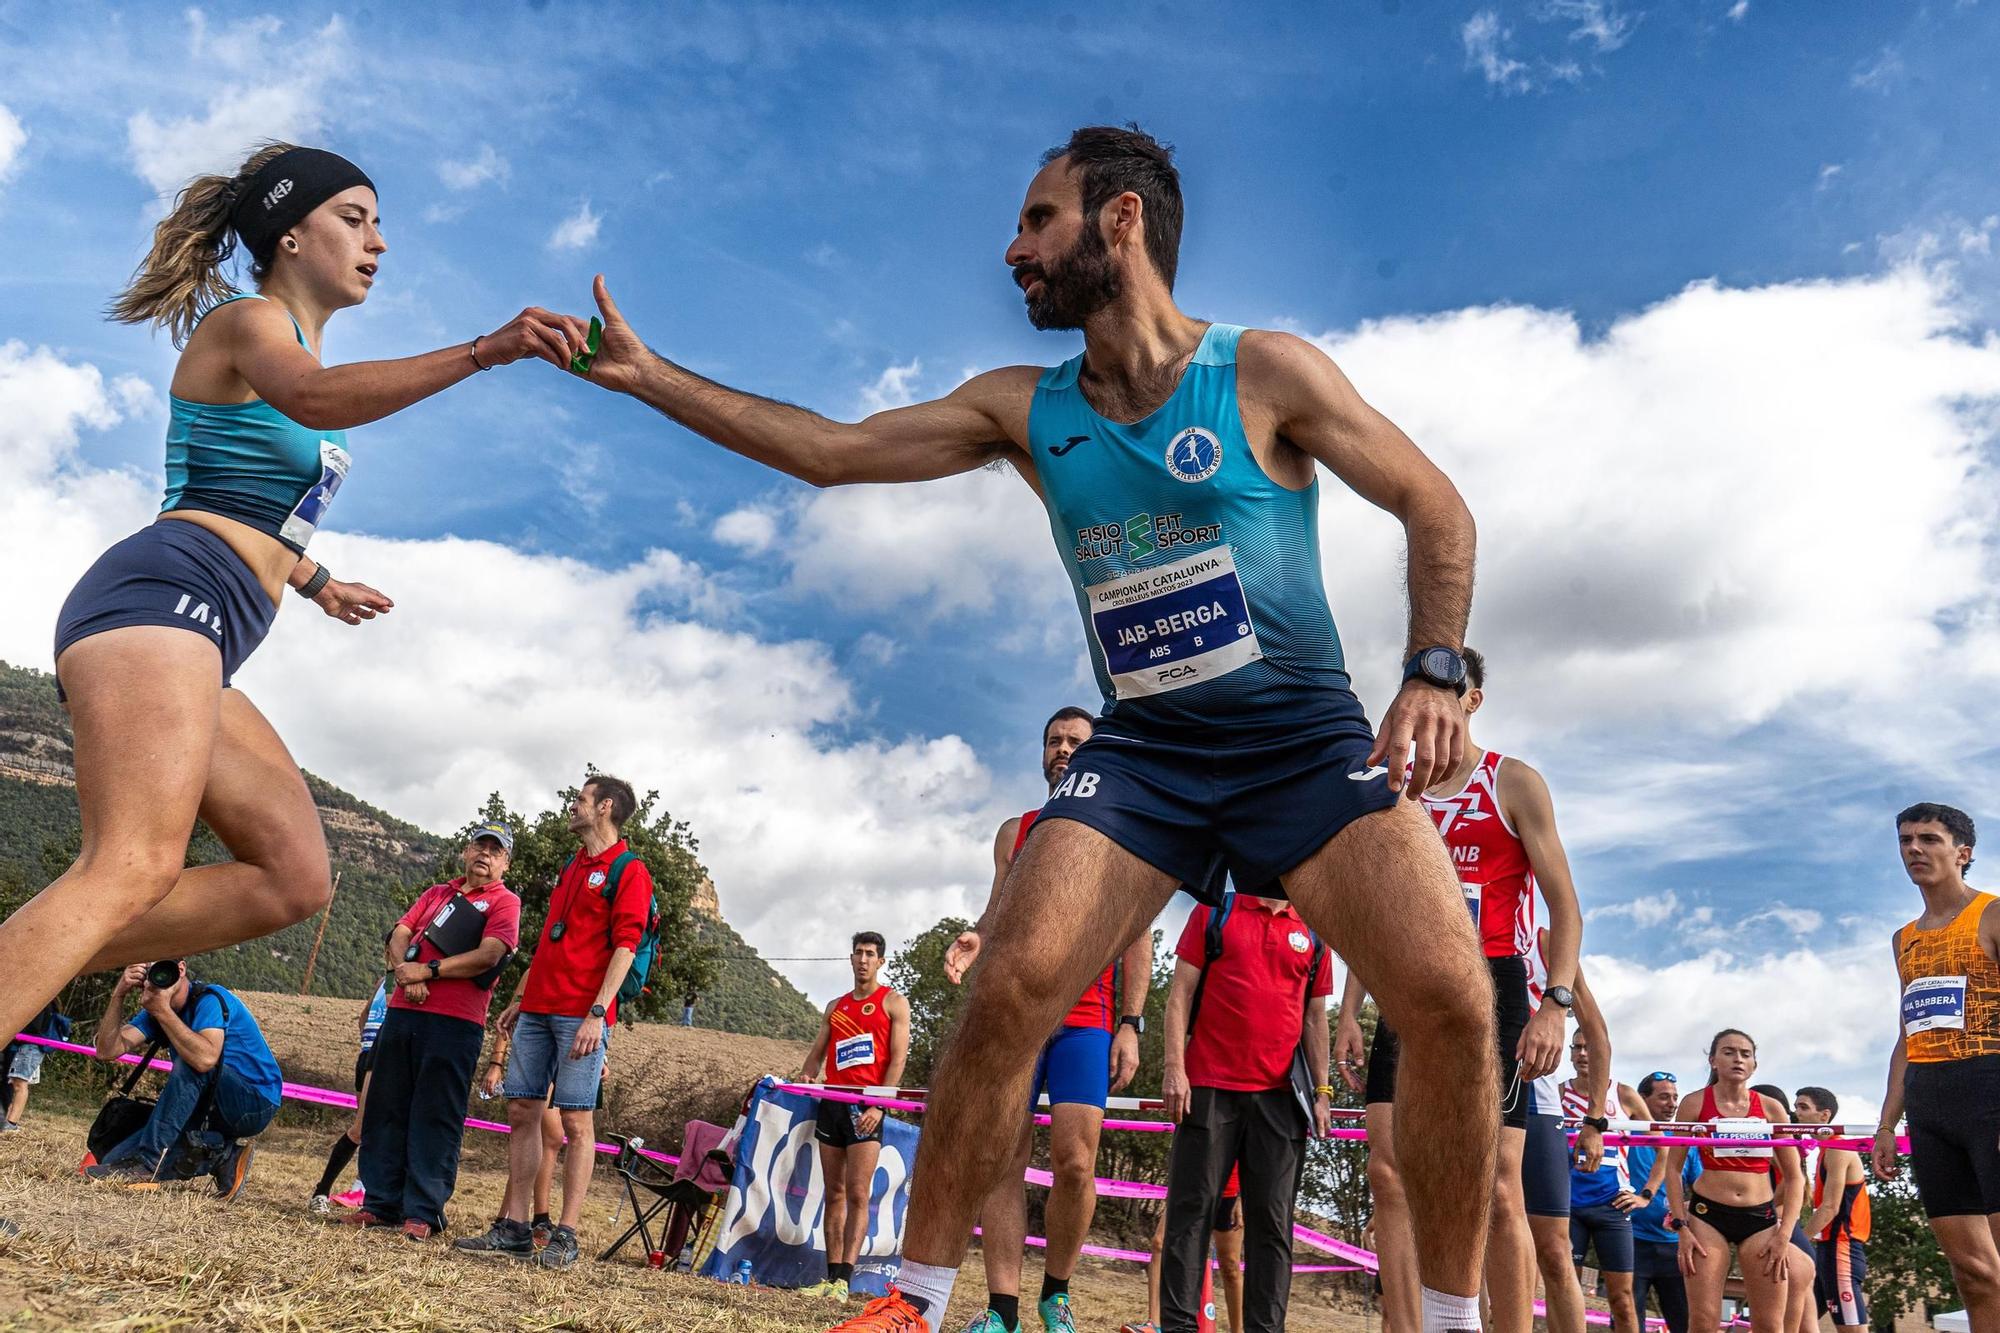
{"x": 457, "y": 997}
{"x": 566, "y": 973}
{"x": 1098, "y": 1007}
{"x": 1253, "y": 1007}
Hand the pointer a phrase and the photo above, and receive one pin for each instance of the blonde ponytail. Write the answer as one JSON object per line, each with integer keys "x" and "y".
{"x": 181, "y": 277}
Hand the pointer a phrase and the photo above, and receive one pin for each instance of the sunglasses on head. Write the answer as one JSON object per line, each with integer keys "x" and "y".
{"x": 1661, "y": 1076}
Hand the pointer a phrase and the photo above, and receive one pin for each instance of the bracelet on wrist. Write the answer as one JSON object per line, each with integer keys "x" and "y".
{"x": 1323, "y": 1090}
{"x": 321, "y": 576}
{"x": 474, "y": 350}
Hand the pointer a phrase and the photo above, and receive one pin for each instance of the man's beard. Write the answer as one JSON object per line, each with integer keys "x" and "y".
{"x": 1077, "y": 286}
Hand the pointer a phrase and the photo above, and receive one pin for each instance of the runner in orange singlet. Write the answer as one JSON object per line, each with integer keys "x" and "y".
{"x": 1092, "y": 1055}
{"x": 1946, "y": 1069}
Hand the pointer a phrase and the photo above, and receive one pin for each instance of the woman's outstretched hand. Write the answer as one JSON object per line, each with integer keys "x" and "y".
{"x": 534, "y": 332}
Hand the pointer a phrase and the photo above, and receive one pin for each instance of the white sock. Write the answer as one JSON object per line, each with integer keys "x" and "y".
{"x": 1443, "y": 1312}
{"x": 927, "y": 1288}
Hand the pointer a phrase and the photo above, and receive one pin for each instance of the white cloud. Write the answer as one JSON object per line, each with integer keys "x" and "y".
{"x": 1601, "y": 24}
{"x": 750, "y": 529}
{"x": 1882, "y": 73}
{"x": 505, "y": 670}
{"x": 896, "y": 386}
{"x": 1739, "y": 10}
{"x": 239, "y": 112}
{"x": 1647, "y": 912}
{"x": 483, "y": 166}
{"x": 1827, "y": 174}
{"x": 13, "y": 135}
{"x": 578, "y": 230}
{"x": 1485, "y": 42}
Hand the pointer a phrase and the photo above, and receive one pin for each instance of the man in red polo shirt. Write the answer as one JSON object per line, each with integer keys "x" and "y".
{"x": 1238, "y": 1023}
{"x": 444, "y": 956}
{"x": 597, "y": 914}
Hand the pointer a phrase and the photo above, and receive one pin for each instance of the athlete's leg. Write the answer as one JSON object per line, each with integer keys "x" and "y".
{"x": 1383, "y": 895}
{"x": 1229, "y": 1258}
{"x": 1070, "y": 903}
{"x": 144, "y": 706}
{"x": 1003, "y": 1221}
{"x": 1971, "y": 1245}
{"x": 861, "y": 1162}
{"x": 1624, "y": 1310}
{"x": 256, "y": 802}
{"x": 1765, "y": 1294}
{"x": 1510, "y": 1246}
{"x": 833, "y": 1217}
{"x": 1561, "y": 1292}
{"x": 1073, "y": 1134}
{"x": 1711, "y": 1270}
{"x": 1395, "y": 1244}
{"x": 1153, "y": 1266}
{"x": 1801, "y": 1310}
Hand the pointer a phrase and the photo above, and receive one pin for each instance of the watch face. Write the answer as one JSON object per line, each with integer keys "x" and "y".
{"x": 1442, "y": 664}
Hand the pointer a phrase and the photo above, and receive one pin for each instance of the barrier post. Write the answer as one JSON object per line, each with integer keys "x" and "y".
{"x": 1205, "y": 1321}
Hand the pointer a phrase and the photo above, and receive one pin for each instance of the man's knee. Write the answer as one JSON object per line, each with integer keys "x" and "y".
{"x": 300, "y": 879}
{"x": 1073, "y": 1163}
{"x": 135, "y": 878}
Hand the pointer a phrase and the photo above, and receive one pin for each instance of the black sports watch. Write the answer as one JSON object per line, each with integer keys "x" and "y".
{"x": 433, "y": 965}
{"x": 1560, "y": 996}
{"x": 597, "y": 1011}
{"x": 1597, "y": 1122}
{"x": 1439, "y": 666}
{"x": 1137, "y": 1022}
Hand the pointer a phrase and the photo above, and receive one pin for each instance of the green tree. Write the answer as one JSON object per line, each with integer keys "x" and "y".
{"x": 1906, "y": 1269}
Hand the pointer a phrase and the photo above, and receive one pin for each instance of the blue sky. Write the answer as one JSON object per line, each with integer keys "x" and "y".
{"x": 1694, "y": 300}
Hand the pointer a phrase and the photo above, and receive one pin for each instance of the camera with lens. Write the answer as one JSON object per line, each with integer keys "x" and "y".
{"x": 163, "y": 975}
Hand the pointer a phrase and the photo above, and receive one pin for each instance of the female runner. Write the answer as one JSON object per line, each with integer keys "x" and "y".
{"x": 1735, "y": 1201}
{"x": 148, "y": 640}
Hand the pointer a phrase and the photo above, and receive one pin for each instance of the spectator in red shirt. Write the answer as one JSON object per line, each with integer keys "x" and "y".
{"x": 560, "y": 1023}
{"x": 1238, "y": 1088}
{"x": 444, "y": 955}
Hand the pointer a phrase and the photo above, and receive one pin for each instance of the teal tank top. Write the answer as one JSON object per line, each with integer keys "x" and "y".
{"x": 252, "y": 463}
{"x": 1197, "y": 576}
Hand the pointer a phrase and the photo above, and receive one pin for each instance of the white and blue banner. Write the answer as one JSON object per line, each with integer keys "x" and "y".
{"x": 771, "y": 1216}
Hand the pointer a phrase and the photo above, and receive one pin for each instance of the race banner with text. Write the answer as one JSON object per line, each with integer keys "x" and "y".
{"x": 772, "y": 1215}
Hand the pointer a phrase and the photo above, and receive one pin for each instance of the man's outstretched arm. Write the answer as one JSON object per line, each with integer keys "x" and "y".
{"x": 983, "y": 419}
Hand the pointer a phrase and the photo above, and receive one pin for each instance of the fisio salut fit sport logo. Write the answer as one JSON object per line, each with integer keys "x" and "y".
{"x": 1141, "y": 535}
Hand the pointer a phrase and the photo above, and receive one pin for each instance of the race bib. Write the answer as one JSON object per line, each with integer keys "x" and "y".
{"x": 1933, "y": 1002}
{"x": 1472, "y": 900}
{"x": 311, "y": 509}
{"x": 854, "y": 1052}
{"x": 1173, "y": 626}
{"x": 1746, "y": 1127}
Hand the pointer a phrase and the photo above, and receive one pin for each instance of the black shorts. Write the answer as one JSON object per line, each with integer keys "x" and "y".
{"x": 172, "y": 573}
{"x": 1192, "y": 810}
{"x": 362, "y": 1064}
{"x": 1604, "y": 1228}
{"x": 1954, "y": 1116}
{"x": 836, "y": 1128}
{"x": 1510, "y": 1014}
{"x": 1545, "y": 1167}
{"x": 1228, "y": 1213}
{"x": 1735, "y": 1223}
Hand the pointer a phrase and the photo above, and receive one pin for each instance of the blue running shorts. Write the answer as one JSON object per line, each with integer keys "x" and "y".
{"x": 1545, "y": 1167}
{"x": 1074, "y": 1068}
{"x": 1255, "y": 809}
{"x": 172, "y": 573}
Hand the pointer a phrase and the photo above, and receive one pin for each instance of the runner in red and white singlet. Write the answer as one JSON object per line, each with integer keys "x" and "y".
{"x": 1093, "y": 1054}
{"x": 1498, "y": 822}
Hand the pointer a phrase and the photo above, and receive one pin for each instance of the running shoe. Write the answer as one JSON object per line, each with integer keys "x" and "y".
{"x": 353, "y": 1197}
{"x": 415, "y": 1230}
{"x": 1143, "y": 1326}
{"x": 361, "y": 1217}
{"x": 506, "y": 1238}
{"x": 540, "y": 1229}
{"x": 233, "y": 1170}
{"x": 987, "y": 1322}
{"x": 320, "y": 1205}
{"x": 561, "y": 1251}
{"x": 11, "y": 1127}
{"x": 1057, "y": 1316}
{"x": 885, "y": 1314}
{"x": 129, "y": 1175}
{"x": 833, "y": 1289}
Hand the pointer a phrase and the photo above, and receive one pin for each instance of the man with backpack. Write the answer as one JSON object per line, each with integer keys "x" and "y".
{"x": 596, "y": 947}
{"x": 444, "y": 956}
{"x": 1245, "y": 1082}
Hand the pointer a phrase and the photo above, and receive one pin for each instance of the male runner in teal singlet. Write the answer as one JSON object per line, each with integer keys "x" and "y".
{"x": 1177, "y": 462}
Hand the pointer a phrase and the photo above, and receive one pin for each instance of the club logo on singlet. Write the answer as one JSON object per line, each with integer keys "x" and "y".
{"x": 1299, "y": 941}
{"x": 1194, "y": 455}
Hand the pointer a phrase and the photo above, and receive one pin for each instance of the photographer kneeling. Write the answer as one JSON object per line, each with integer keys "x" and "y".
{"x": 224, "y": 1088}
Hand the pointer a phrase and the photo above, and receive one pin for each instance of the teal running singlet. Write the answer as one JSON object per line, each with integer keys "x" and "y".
{"x": 1197, "y": 575}
{"x": 251, "y": 462}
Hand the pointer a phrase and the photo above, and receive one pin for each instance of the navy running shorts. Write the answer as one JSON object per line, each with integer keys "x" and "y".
{"x": 172, "y": 573}
{"x": 1841, "y": 1272}
{"x": 1255, "y": 809}
{"x": 1074, "y": 1068}
{"x": 1510, "y": 1015}
{"x": 1607, "y": 1228}
{"x": 1545, "y": 1167}
{"x": 838, "y": 1125}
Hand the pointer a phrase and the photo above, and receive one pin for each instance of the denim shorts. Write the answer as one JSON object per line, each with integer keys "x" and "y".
{"x": 540, "y": 1059}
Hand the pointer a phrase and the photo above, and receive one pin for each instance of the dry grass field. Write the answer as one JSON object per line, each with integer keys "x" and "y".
{"x": 95, "y": 1257}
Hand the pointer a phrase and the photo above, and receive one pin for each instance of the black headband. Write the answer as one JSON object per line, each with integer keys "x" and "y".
{"x": 284, "y": 190}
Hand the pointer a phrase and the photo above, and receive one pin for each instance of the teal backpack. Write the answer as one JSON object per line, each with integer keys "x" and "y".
{"x": 634, "y": 984}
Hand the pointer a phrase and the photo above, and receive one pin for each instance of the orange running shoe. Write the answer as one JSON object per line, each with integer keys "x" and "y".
{"x": 888, "y": 1314}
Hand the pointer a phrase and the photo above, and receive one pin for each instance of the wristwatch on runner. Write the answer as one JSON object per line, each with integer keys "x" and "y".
{"x": 1597, "y": 1122}
{"x": 1562, "y": 997}
{"x": 597, "y": 1011}
{"x": 433, "y": 965}
{"x": 1439, "y": 666}
{"x": 1137, "y": 1022}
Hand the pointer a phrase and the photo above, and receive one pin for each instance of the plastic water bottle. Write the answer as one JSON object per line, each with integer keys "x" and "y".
{"x": 741, "y": 1277}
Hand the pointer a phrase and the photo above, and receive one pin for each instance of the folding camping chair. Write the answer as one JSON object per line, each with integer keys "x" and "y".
{"x": 703, "y": 1173}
